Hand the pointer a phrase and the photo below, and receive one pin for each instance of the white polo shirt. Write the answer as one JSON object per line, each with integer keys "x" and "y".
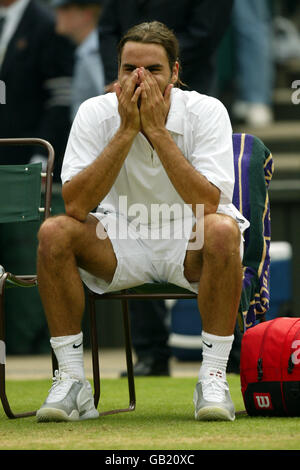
{"x": 200, "y": 127}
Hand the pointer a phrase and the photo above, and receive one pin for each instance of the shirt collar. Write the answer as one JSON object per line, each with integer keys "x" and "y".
{"x": 90, "y": 44}
{"x": 175, "y": 120}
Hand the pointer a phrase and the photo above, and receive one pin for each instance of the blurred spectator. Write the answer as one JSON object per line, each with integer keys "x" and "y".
{"x": 78, "y": 20}
{"x": 254, "y": 72}
{"x": 36, "y": 66}
{"x": 199, "y": 29}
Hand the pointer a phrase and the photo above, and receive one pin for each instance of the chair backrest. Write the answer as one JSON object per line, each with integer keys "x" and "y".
{"x": 253, "y": 172}
{"x": 22, "y": 186}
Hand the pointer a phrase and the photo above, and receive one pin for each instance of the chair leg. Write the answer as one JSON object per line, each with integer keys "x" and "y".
{"x": 128, "y": 346}
{"x": 95, "y": 358}
{"x": 4, "y": 400}
{"x": 95, "y": 349}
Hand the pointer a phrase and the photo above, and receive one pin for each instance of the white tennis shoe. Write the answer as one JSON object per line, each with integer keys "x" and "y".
{"x": 68, "y": 400}
{"x": 212, "y": 399}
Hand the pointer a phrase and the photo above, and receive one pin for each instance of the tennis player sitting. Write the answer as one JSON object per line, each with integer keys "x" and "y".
{"x": 131, "y": 155}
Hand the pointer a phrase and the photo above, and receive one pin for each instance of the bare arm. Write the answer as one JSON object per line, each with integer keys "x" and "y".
{"x": 85, "y": 190}
{"x": 193, "y": 187}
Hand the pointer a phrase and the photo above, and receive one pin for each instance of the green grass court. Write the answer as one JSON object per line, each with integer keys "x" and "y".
{"x": 163, "y": 420}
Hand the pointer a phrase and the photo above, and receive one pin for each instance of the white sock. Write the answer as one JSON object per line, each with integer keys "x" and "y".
{"x": 215, "y": 352}
{"x": 69, "y": 354}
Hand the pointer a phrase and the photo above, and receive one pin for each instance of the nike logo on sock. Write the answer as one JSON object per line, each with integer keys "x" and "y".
{"x": 75, "y": 346}
{"x": 206, "y": 344}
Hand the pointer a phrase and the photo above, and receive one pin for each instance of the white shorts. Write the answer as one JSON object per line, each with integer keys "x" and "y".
{"x": 141, "y": 260}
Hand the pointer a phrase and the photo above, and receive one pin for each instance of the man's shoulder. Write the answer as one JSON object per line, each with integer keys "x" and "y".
{"x": 196, "y": 108}
{"x": 196, "y": 102}
{"x": 103, "y": 105}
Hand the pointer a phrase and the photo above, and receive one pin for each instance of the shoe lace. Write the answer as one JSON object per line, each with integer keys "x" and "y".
{"x": 61, "y": 383}
{"x": 214, "y": 386}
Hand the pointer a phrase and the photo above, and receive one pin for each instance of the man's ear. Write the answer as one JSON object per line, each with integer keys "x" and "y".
{"x": 175, "y": 72}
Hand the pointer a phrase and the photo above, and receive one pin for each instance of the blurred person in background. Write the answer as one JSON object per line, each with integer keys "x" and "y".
{"x": 254, "y": 69}
{"x": 78, "y": 20}
{"x": 36, "y": 66}
{"x": 199, "y": 29}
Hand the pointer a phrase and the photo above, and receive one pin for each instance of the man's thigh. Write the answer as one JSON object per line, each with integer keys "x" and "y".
{"x": 217, "y": 229}
{"x": 193, "y": 265}
{"x": 95, "y": 253}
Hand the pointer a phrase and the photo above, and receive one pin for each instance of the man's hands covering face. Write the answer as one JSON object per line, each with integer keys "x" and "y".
{"x": 142, "y": 106}
{"x": 154, "y": 105}
{"x": 128, "y": 96}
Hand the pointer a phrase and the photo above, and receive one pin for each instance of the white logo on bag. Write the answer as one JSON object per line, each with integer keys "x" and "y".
{"x": 296, "y": 354}
{"x": 263, "y": 400}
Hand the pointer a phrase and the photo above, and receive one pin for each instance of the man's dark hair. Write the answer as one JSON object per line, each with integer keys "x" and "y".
{"x": 153, "y": 33}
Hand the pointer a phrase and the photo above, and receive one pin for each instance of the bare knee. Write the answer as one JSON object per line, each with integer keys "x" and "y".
{"x": 55, "y": 236}
{"x": 221, "y": 235}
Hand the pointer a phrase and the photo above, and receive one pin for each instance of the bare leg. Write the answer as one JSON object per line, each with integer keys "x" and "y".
{"x": 218, "y": 269}
{"x": 64, "y": 244}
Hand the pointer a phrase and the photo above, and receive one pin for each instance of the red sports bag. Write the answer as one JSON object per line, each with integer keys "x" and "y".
{"x": 270, "y": 368}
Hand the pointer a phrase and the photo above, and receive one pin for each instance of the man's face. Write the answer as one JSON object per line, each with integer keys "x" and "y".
{"x": 68, "y": 20}
{"x": 152, "y": 57}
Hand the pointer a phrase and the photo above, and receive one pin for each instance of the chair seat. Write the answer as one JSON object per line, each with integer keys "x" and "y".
{"x": 155, "y": 289}
{"x": 160, "y": 288}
